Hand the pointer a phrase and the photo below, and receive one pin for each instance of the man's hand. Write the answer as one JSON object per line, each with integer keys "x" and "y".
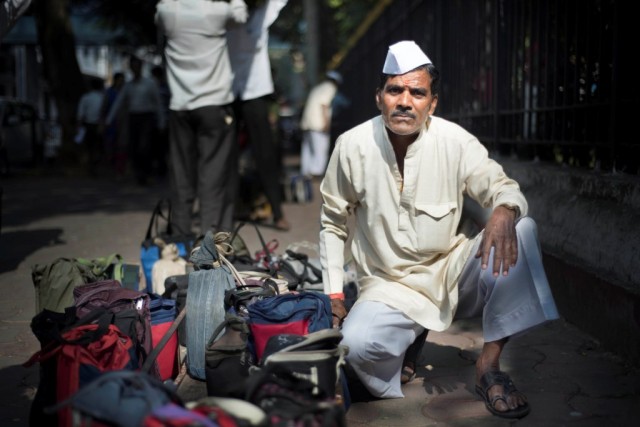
{"x": 500, "y": 232}
{"x": 339, "y": 311}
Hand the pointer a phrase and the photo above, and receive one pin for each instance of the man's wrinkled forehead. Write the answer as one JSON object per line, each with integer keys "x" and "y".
{"x": 415, "y": 81}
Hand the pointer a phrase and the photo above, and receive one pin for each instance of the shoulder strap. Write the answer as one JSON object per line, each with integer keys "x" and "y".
{"x": 148, "y": 363}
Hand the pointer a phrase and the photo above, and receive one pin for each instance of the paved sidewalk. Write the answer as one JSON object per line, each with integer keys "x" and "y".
{"x": 569, "y": 380}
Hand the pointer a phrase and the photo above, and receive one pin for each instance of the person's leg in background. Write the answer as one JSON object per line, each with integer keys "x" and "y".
{"x": 183, "y": 168}
{"x": 217, "y": 167}
{"x": 255, "y": 113}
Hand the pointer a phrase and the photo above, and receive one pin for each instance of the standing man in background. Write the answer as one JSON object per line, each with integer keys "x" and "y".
{"x": 252, "y": 86}
{"x": 202, "y": 142}
{"x": 316, "y": 125}
{"x": 89, "y": 111}
{"x": 140, "y": 98}
{"x": 113, "y": 134}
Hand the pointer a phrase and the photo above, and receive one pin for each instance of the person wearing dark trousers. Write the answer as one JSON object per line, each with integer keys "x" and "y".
{"x": 202, "y": 146}
{"x": 203, "y": 155}
{"x": 88, "y": 117}
{"x": 253, "y": 85}
{"x": 253, "y": 113}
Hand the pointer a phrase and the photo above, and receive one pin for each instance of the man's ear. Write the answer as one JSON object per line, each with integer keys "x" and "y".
{"x": 434, "y": 104}
{"x": 378, "y": 100}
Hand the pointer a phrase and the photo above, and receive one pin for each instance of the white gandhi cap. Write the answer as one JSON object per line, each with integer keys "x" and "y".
{"x": 403, "y": 57}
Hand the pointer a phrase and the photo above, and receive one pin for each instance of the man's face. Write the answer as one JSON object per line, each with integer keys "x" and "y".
{"x": 406, "y": 102}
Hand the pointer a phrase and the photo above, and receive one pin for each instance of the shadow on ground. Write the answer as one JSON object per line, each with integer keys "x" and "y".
{"x": 28, "y": 199}
{"x": 14, "y": 411}
{"x": 15, "y": 246}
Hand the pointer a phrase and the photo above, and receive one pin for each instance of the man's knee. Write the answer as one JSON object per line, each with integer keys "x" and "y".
{"x": 527, "y": 224}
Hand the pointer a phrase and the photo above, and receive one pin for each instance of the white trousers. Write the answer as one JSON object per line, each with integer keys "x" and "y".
{"x": 314, "y": 153}
{"x": 378, "y": 335}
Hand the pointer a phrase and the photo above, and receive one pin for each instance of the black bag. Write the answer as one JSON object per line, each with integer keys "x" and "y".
{"x": 317, "y": 357}
{"x": 244, "y": 295}
{"x": 289, "y": 400}
{"x": 130, "y": 308}
{"x": 156, "y": 238}
{"x": 228, "y": 358}
{"x": 53, "y": 331}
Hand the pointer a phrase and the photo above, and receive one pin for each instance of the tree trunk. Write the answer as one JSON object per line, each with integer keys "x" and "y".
{"x": 61, "y": 70}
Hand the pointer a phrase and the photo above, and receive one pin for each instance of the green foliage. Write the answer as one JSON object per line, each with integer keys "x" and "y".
{"x": 136, "y": 17}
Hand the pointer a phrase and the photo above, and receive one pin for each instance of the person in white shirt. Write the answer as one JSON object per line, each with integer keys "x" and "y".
{"x": 403, "y": 175}
{"x": 316, "y": 125}
{"x": 89, "y": 120}
{"x": 140, "y": 98}
{"x": 252, "y": 85}
{"x": 202, "y": 147}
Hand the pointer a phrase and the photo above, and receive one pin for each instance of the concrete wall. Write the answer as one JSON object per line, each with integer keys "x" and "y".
{"x": 589, "y": 228}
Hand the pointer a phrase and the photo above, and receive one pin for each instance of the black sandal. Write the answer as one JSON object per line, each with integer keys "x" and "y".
{"x": 492, "y": 378}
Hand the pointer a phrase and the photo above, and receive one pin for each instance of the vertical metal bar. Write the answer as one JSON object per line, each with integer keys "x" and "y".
{"x": 615, "y": 70}
{"x": 496, "y": 72}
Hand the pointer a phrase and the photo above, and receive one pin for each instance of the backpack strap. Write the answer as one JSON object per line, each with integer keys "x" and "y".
{"x": 148, "y": 363}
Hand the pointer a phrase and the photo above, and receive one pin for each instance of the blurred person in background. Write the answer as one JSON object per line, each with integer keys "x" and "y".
{"x": 89, "y": 120}
{"x": 253, "y": 86}
{"x": 140, "y": 98}
{"x": 113, "y": 133}
{"x": 316, "y": 126}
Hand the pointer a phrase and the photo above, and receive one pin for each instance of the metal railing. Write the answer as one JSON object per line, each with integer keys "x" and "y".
{"x": 536, "y": 79}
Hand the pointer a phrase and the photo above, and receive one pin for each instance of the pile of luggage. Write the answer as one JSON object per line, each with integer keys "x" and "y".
{"x": 256, "y": 329}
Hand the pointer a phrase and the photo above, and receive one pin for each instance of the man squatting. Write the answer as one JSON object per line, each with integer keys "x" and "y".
{"x": 403, "y": 175}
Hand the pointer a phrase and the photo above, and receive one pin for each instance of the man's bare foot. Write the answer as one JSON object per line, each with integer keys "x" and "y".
{"x": 496, "y": 387}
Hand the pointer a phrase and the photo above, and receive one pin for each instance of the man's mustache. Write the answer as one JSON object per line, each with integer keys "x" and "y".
{"x": 403, "y": 114}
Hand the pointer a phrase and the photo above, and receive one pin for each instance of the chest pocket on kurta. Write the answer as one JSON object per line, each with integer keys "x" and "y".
{"x": 433, "y": 223}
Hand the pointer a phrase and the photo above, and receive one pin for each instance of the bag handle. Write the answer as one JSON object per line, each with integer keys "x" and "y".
{"x": 265, "y": 248}
{"x": 158, "y": 214}
{"x": 228, "y": 321}
{"x": 100, "y": 265}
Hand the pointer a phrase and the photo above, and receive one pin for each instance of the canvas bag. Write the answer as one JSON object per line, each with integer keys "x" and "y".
{"x": 55, "y": 282}
{"x": 110, "y": 296}
{"x": 228, "y": 358}
{"x": 296, "y": 313}
{"x": 290, "y": 401}
{"x": 175, "y": 288}
{"x": 205, "y": 299}
{"x": 83, "y": 354}
{"x": 317, "y": 357}
{"x": 163, "y": 314}
{"x": 120, "y": 398}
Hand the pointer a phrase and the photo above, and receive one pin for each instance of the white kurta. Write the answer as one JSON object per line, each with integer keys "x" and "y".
{"x": 405, "y": 247}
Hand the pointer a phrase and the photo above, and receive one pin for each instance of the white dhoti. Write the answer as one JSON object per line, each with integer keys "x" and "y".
{"x": 314, "y": 153}
{"x": 378, "y": 335}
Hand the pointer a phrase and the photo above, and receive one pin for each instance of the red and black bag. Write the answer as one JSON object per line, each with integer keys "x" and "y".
{"x": 78, "y": 356}
{"x": 296, "y": 313}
